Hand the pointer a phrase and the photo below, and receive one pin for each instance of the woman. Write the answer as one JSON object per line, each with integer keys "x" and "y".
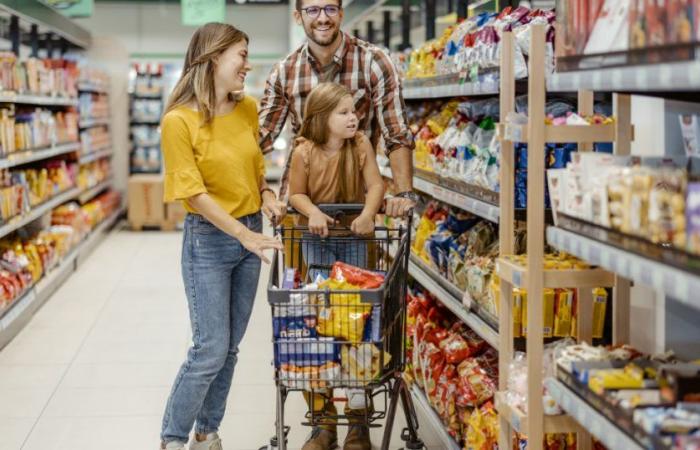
{"x": 214, "y": 165}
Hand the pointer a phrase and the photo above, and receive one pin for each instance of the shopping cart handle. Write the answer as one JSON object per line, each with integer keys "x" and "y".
{"x": 335, "y": 210}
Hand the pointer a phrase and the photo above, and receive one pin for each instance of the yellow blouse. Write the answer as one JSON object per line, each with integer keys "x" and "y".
{"x": 222, "y": 158}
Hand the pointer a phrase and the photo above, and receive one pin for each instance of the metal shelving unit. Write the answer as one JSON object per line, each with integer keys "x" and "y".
{"x": 22, "y": 309}
{"x": 92, "y": 87}
{"x": 28, "y": 156}
{"x": 92, "y": 192}
{"x": 668, "y": 77}
{"x": 38, "y": 100}
{"x": 421, "y": 401}
{"x": 447, "y": 86}
{"x": 429, "y": 279}
{"x": 94, "y": 156}
{"x": 38, "y": 211}
{"x": 473, "y": 205}
{"x": 590, "y": 418}
{"x": 679, "y": 284}
{"x": 89, "y": 123}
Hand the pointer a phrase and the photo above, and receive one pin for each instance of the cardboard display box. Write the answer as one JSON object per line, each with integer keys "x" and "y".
{"x": 146, "y": 207}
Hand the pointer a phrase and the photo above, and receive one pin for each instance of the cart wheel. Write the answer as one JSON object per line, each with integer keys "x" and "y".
{"x": 416, "y": 444}
{"x": 273, "y": 440}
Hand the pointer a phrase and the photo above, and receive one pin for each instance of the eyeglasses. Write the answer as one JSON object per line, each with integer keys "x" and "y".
{"x": 315, "y": 11}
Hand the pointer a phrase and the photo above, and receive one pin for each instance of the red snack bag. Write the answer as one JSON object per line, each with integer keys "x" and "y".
{"x": 365, "y": 279}
{"x": 475, "y": 387}
{"x": 455, "y": 349}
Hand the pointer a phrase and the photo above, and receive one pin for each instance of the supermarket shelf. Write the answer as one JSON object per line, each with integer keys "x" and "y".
{"x": 677, "y": 283}
{"x": 447, "y": 86}
{"x": 561, "y": 133}
{"x": 90, "y": 123}
{"x": 518, "y": 420}
{"x": 23, "y": 308}
{"x": 668, "y": 77}
{"x": 428, "y": 278}
{"x": 154, "y": 123}
{"x": 475, "y": 206}
{"x": 94, "y": 156}
{"x": 147, "y": 96}
{"x": 39, "y": 100}
{"x": 517, "y": 275}
{"x": 24, "y": 157}
{"x": 48, "y": 19}
{"x": 589, "y": 418}
{"x": 91, "y": 193}
{"x": 91, "y": 87}
{"x": 421, "y": 401}
{"x": 38, "y": 211}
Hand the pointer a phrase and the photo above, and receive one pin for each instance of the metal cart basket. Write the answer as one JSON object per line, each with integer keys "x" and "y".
{"x": 330, "y": 335}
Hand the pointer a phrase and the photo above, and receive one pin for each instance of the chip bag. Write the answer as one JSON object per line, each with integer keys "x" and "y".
{"x": 346, "y": 315}
{"x": 359, "y": 278}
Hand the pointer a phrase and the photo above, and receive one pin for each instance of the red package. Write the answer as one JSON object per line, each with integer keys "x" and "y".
{"x": 455, "y": 349}
{"x": 365, "y": 279}
{"x": 475, "y": 386}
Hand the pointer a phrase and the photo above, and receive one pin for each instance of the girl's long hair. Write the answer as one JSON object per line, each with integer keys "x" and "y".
{"x": 196, "y": 84}
{"x": 320, "y": 103}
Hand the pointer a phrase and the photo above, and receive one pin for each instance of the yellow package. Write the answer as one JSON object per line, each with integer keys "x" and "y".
{"x": 519, "y": 300}
{"x": 600, "y": 305}
{"x": 548, "y": 312}
{"x": 564, "y": 310}
{"x": 523, "y": 315}
{"x": 426, "y": 227}
{"x": 345, "y": 317}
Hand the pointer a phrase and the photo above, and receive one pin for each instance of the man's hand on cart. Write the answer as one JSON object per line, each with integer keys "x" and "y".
{"x": 363, "y": 224}
{"x": 257, "y": 243}
{"x": 319, "y": 222}
{"x": 400, "y": 205}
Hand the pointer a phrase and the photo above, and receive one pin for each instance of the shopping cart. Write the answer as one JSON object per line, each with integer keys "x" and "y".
{"x": 327, "y": 338}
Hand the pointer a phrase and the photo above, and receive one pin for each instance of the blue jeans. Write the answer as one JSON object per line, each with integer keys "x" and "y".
{"x": 325, "y": 252}
{"x": 221, "y": 280}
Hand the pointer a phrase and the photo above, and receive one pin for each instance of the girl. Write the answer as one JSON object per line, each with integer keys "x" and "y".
{"x": 214, "y": 165}
{"x": 334, "y": 163}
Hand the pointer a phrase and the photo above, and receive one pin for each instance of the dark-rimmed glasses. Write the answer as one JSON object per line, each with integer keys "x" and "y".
{"x": 315, "y": 11}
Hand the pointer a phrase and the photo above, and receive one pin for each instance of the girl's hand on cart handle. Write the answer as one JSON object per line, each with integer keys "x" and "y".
{"x": 257, "y": 243}
{"x": 318, "y": 223}
{"x": 363, "y": 224}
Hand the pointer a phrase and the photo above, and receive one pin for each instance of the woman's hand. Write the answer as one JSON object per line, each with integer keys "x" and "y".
{"x": 318, "y": 223}
{"x": 273, "y": 209}
{"x": 363, "y": 224}
{"x": 257, "y": 243}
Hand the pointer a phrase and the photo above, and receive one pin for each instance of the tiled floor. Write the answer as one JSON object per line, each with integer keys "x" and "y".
{"x": 93, "y": 368}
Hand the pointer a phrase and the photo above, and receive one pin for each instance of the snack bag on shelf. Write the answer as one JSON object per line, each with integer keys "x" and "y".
{"x": 482, "y": 431}
{"x": 667, "y": 222}
{"x": 564, "y": 311}
{"x": 475, "y": 386}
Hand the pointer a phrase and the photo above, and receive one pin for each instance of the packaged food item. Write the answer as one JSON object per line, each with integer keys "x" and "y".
{"x": 362, "y": 362}
{"x": 346, "y": 314}
{"x": 564, "y": 305}
{"x": 304, "y": 352}
{"x": 309, "y": 377}
{"x": 666, "y": 207}
{"x": 600, "y": 304}
{"x": 362, "y": 278}
{"x": 692, "y": 214}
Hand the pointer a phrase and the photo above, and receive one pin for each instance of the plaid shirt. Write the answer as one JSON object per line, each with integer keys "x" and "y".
{"x": 364, "y": 69}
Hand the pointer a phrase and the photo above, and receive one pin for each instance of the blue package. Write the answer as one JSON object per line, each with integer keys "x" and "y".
{"x": 603, "y": 147}
{"x": 294, "y": 327}
{"x": 521, "y": 189}
{"x": 373, "y": 326}
{"x": 307, "y": 351}
{"x": 521, "y": 156}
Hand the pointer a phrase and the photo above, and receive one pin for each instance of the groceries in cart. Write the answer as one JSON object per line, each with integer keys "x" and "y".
{"x": 329, "y": 333}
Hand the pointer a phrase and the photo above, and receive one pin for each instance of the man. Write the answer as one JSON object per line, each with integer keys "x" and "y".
{"x": 331, "y": 55}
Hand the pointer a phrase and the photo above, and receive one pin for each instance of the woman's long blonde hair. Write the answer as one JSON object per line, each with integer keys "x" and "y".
{"x": 320, "y": 103}
{"x": 196, "y": 84}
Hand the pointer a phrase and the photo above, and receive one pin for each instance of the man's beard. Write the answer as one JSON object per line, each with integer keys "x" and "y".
{"x": 322, "y": 43}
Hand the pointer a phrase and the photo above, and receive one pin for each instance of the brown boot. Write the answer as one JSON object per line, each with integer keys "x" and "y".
{"x": 358, "y": 438}
{"x": 321, "y": 439}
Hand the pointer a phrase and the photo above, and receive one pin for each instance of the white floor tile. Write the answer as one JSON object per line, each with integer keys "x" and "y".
{"x": 43, "y": 376}
{"x": 13, "y": 432}
{"x": 23, "y": 402}
{"x": 97, "y": 351}
{"x": 104, "y": 433}
{"x": 100, "y": 402}
{"x": 120, "y": 375}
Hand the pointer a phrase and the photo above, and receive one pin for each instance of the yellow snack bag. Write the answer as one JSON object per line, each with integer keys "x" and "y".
{"x": 519, "y": 300}
{"x": 600, "y": 304}
{"x": 548, "y": 312}
{"x": 345, "y": 317}
{"x": 523, "y": 315}
{"x": 564, "y": 311}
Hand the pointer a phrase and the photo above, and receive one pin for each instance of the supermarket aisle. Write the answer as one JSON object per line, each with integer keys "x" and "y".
{"x": 94, "y": 367}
